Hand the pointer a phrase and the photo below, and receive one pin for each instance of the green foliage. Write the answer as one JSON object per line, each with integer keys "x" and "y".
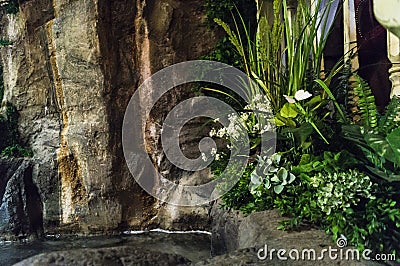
{"x": 379, "y": 146}
{"x": 334, "y": 173}
{"x": 338, "y": 191}
{"x": 343, "y": 86}
{"x": 364, "y": 100}
{"x": 262, "y": 59}
{"x": 16, "y": 150}
{"x": 382, "y": 223}
{"x": 374, "y": 225}
{"x": 225, "y": 10}
{"x": 11, "y": 6}
{"x": 224, "y": 51}
{"x": 391, "y": 117}
{"x": 4, "y": 42}
{"x": 9, "y": 127}
{"x": 271, "y": 174}
{"x": 258, "y": 57}
{"x": 240, "y": 198}
{"x": 10, "y": 143}
{"x": 304, "y": 115}
{"x": 328, "y": 162}
{"x": 299, "y": 203}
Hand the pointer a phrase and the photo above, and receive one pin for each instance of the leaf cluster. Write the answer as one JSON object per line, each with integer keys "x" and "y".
{"x": 10, "y": 142}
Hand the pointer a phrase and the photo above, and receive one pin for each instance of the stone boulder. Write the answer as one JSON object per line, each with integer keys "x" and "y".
{"x": 237, "y": 239}
{"x": 21, "y": 207}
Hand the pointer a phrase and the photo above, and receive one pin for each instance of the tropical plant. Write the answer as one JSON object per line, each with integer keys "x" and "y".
{"x": 329, "y": 162}
{"x": 338, "y": 191}
{"x": 364, "y": 102}
{"x": 281, "y": 70}
{"x": 378, "y": 138}
{"x": 273, "y": 173}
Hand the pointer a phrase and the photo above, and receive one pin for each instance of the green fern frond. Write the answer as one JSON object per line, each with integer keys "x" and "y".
{"x": 365, "y": 102}
{"x": 390, "y": 119}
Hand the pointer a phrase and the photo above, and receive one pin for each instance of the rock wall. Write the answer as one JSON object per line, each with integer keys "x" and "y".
{"x": 71, "y": 71}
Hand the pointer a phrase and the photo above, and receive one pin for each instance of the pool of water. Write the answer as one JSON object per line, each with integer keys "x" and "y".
{"x": 195, "y": 246}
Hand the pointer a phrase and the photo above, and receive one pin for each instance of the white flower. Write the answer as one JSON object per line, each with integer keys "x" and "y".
{"x": 204, "y": 157}
{"x": 213, "y": 132}
{"x": 262, "y": 107}
{"x": 221, "y": 132}
{"x": 256, "y": 127}
{"x": 213, "y": 151}
{"x": 302, "y": 95}
{"x": 244, "y": 116}
{"x": 265, "y": 129}
{"x": 257, "y": 98}
{"x": 289, "y": 99}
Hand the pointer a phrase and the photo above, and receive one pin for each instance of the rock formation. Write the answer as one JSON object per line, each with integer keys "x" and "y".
{"x": 70, "y": 71}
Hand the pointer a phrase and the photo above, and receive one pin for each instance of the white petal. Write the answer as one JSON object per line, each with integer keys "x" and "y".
{"x": 302, "y": 95}
{"x": 289, "y": 99}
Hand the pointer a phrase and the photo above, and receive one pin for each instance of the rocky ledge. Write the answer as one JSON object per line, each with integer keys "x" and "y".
{"x": 236, "y": 240}
{"x": 124, "y": 255}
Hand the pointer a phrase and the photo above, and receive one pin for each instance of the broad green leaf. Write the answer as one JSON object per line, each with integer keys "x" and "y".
{"x": 278, "y": 189}
{"x": 302, "y": 133}
{"x": 282, "y": 174}
{"x": 267, "y": 183}
{"x": 255, "y": 178}
{"x": 314, "y": 101}
{"x": 380, "y": 145}
{"x": 278, "y": 122}
{"x": 275, "y": 179}
{"x": 289, "y": 111}
{"x": 394, "y": 141}
{"x": 292, "y": 177}
{"x": 305, "y": 158}
{"x": 383, "y": 175}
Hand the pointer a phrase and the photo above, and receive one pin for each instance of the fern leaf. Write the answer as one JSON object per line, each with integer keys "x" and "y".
{"x": 390, "y": 120}
{"x": 365, "y": 102}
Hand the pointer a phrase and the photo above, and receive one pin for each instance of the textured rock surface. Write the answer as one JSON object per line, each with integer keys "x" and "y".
{"x": 20, "y": 205}
{"x": 236, "y": 240}
{"x": 106, "y": 256}
{"x": 70, "y": 72}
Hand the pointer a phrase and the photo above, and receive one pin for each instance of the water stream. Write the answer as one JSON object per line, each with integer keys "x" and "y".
{"x": 194, "y": 245}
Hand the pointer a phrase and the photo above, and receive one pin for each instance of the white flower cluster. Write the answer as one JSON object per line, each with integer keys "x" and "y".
{"x": 213, "y": 154}
{"x": 254, "y": 120}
